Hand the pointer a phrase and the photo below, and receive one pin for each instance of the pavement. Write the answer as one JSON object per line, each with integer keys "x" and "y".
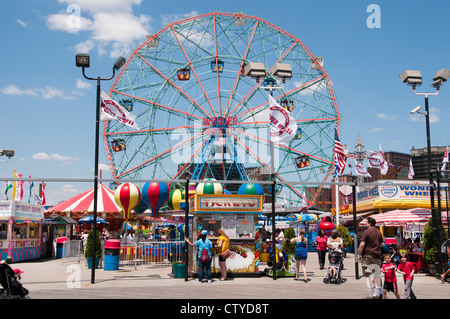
{"x": 69, "y": 278}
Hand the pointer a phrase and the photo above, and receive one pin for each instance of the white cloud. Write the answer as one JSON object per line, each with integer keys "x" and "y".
{"x": 47, "y": 92}
{"x": 113, "y": 27}
{"x": 22, "y": 23}
{"x": 171, "y": 18}
{"x": 68, "y": 23}
{"x": 54, "y": 157}
{"x": 387, "y": 117}
{"x": 14, "y": 90}
{"x": 83, "y": 85}
{"x": 375, "y": 130}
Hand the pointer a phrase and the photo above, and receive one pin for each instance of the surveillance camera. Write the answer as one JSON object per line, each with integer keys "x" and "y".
{"x": 415, "y": 110}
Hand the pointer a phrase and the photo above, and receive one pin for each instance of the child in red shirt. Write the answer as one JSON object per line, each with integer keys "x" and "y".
{"x": 390, "y": 279}
{"x": 407, "y": 269}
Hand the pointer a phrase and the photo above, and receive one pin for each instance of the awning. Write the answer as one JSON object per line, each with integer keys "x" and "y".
{"x": 359, "y": 216}
{"x": 60, "y": 220}
{"x": 301, "y": 217}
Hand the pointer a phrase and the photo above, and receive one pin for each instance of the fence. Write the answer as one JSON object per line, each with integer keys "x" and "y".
{"x": 151, "y": 253}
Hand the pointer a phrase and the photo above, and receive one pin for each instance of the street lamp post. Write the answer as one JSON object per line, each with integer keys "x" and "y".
{"x": 82, "y": 60}
{"x": 414, "y": 78}
{"x": 283, "y": 72}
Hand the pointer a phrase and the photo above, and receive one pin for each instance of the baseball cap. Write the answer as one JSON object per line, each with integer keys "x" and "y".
{"x": 17, "y": 271}
{"x": 204, "y": 232}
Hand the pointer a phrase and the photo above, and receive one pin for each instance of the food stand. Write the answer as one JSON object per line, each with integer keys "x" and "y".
{"x": 20, "y": 237}
{"x": 237, "y": 216}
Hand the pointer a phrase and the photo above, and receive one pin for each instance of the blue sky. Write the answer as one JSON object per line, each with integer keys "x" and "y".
{"x": 47, "y": 110}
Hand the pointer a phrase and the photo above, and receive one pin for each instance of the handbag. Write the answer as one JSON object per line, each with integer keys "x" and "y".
{"x": 226, "y": 254}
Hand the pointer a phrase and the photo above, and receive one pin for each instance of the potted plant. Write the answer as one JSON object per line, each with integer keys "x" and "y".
{"x": 345, "y": 235}
{"x": 289, "y": 249}
{"x": 89, "y": 248}
{"x": 428, "y": 247}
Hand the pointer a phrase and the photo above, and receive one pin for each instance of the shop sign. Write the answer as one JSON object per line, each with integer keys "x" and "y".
{"x": 238, "y": 203}
{"x": 342, "y": 210}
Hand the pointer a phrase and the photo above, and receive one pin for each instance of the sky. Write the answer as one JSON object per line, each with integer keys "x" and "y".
{"x": 47, "y": 108}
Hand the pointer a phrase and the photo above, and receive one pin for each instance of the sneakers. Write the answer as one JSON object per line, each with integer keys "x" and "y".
{"x": 209, "y": 281}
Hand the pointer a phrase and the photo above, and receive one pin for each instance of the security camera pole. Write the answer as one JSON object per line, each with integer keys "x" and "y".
{"x": 82, "y": 60}
{"x": 414, "y": 78}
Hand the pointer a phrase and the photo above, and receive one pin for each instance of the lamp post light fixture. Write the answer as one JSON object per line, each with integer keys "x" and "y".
{"x": 7, "y": 153}
{"x": 414, "y": 78}
{"x": 83, "y": 60}
{"x": 283, "y": 72}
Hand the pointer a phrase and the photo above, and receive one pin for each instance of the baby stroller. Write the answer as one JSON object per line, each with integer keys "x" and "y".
{"x": 12, "y": 288}
{"x": 335, "y": 277}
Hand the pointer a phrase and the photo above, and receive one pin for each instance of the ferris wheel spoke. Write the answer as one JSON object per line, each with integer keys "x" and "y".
{"x": 258, "y": 108}
{"x": 164, "y": 107}
{"x": 175, "y": 86}
{"x": 193, "y": 71}
{"x": 241, "y": 65}
{"x": 159, "y": 156}
{"x": 255, "y": 156}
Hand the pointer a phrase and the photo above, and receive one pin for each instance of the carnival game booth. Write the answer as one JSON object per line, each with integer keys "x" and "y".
{"x": 237, "y": 216}
{"x": 20, "y": 234}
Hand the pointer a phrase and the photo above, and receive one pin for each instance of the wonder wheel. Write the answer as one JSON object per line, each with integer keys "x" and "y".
{"x": 202, "y": 114}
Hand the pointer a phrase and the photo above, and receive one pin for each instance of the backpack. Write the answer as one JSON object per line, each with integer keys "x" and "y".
{"x": 444, "y": 246}
{"x": 204, "y": 256}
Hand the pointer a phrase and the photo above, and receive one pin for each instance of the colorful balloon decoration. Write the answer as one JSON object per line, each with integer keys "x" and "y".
{"x": 127, "y": 196}
{"x": 175, "y": 197}
{"x": 209, "y": 188}
{"x": 155, "y": 194}
{"x": 250, "y": 189}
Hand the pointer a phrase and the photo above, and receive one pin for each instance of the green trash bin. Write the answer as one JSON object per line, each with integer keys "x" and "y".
{"x": 178, "y": 270}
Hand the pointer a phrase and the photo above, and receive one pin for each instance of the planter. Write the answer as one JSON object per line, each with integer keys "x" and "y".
{"x": 264, "y": 257}
{"x": 96, "y": 262}
{"x": 431, "y": 270}
{"x": 178, "y": 270}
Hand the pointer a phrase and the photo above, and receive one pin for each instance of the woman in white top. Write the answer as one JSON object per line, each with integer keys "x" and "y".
{"x": 335, "y": 242}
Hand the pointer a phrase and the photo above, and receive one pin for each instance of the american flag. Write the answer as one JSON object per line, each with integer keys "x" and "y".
{"x": 340, "y": 158}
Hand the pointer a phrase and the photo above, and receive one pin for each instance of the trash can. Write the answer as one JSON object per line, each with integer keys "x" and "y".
{"x": 112, "y": 254}
{"x": 178, "y": 270}
{"x": 60, "y": 247}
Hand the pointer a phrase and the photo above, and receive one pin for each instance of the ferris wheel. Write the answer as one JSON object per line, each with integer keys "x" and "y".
{"x": 202, "y": 115}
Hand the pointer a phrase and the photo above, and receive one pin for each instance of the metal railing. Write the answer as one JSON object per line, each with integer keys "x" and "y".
{"x": 151, "y": 253}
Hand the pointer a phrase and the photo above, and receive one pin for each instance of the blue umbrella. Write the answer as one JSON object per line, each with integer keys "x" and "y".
{"x": 90, "y": 219}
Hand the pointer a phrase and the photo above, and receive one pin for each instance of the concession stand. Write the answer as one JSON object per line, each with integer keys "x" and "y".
{"x": 21, "y": 228}
{"x": 237, "y": 216}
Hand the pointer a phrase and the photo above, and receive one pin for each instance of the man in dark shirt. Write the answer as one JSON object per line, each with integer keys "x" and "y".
{"x": 369, "y": 254}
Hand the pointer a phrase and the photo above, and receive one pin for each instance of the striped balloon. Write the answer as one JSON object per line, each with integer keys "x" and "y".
{"x": 175, "y": 198}
{"x": 209, "y": 188}
{"x": 250, "y": 189}
{"x": 155, "y": 194}
{"x": 127, "y": 196}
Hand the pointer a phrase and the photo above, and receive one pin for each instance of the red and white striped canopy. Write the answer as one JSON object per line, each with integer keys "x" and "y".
{"x": 401, "y": 217}
{"x": 85, "y": 202}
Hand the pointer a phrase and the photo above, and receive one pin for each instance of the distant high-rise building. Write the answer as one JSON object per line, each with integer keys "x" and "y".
{"x": 420, "y": 161}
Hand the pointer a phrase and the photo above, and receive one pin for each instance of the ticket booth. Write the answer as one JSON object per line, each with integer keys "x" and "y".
{"x": 20, "y": 233}
{"x": 237, "y": 216}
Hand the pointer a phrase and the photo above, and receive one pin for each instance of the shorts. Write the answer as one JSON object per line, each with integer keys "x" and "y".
{"x": 298, "y": 258}
{"x": 390, "y": 286}
{"x": 368, "y": 265}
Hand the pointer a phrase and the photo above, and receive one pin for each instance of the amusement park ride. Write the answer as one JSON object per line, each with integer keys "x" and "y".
{"x": 199, "y": 91}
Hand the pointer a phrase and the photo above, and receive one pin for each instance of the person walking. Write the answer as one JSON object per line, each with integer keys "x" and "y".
{"x": 321, "y": 241}
{"x": 223, "y": 243}
{"x": 204, "y": 246}
{"x": 369, "y": 254}
{"x": 407, "y": 269}
{"x": 301, "y": 254}
{"x": 390, "y": 279}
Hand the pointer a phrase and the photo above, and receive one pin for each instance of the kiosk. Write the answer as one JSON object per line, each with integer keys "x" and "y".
{"x": 237, "y": 216}
{"x": 20, "y": 234}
